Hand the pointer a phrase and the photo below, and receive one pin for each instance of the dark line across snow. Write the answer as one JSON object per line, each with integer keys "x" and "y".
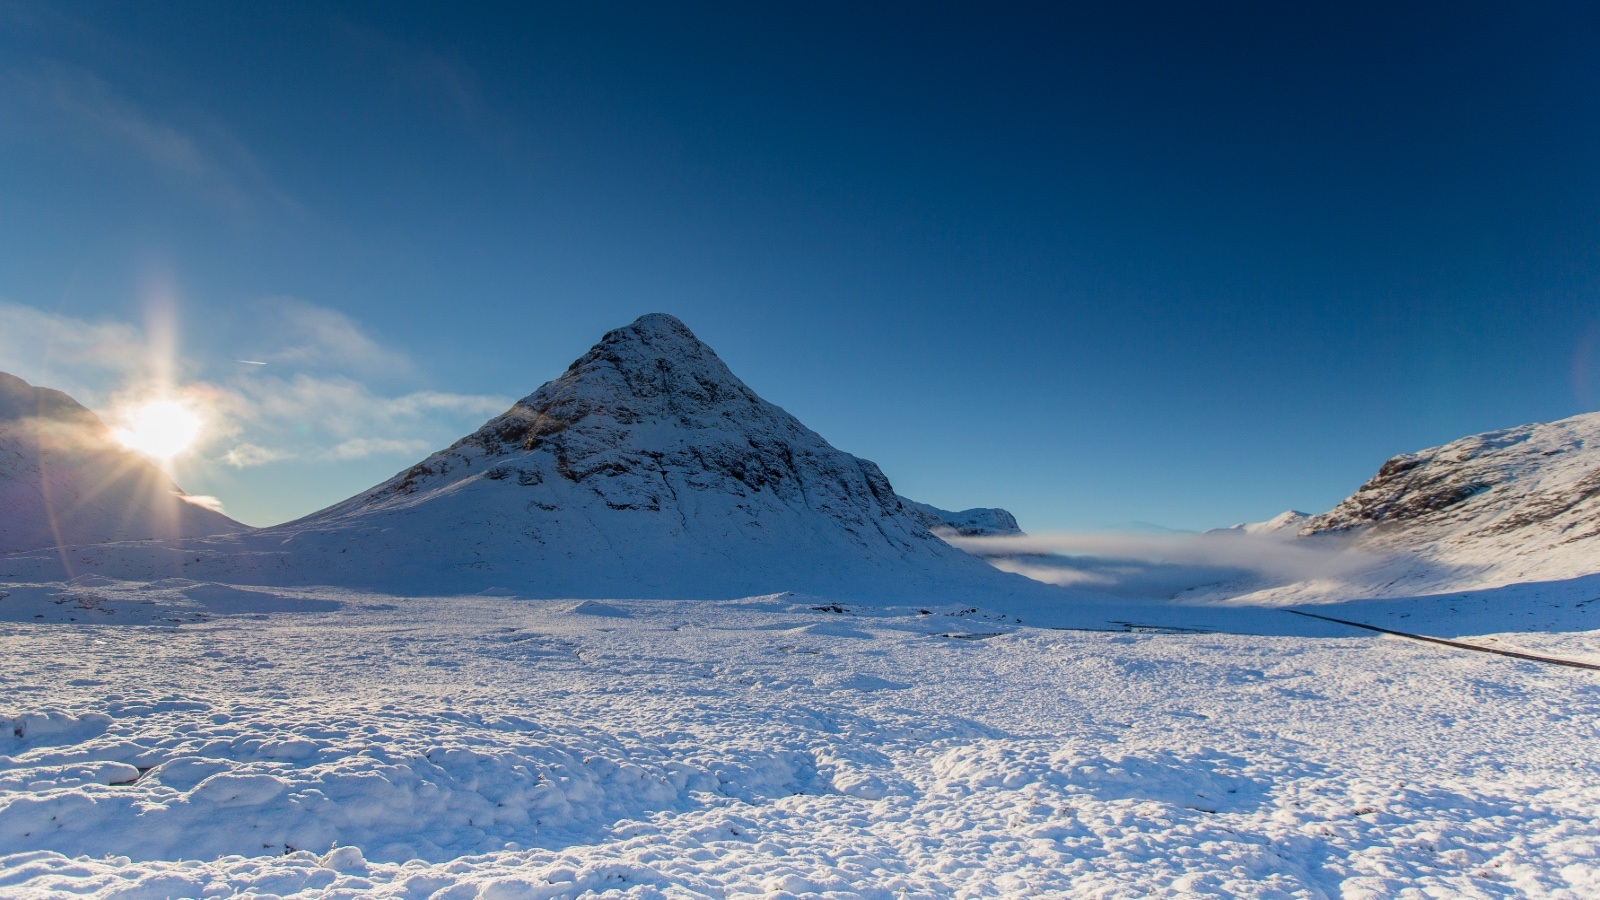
{"x": 1552, "y": 660}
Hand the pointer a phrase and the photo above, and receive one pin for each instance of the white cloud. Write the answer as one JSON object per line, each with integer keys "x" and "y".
{"x": 464, "y": 404}
{"x": 335, "y": 410}
{"x": 245, "y": 454}
{"x": 305, "y": 335}
{"x": 1057, "y": 574}
{"x": 204, "y": 501}
{"x": 293, "y": 408}
{"x": 339, "y": 418}
{"x": 84, "y": 357}
{"x": 361, "y": 448}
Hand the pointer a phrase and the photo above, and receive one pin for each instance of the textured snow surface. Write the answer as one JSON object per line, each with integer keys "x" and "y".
{"x": 353, "y": 744}
{"x": 205, "y": 716}
{"x": 64, "y": 480}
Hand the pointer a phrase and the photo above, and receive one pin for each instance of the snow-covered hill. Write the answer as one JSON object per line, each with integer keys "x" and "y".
{"x": 1289, "y": 521}
{"x": 646, "y": 470}
{"x": 64, "y": 480}
{"x": 1521, "y": 504}
{"x": 1492, "y": 509}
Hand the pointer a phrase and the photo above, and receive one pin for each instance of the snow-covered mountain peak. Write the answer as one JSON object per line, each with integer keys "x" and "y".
{"x": 655, "y": 334}
{"x": 649, "y": 469}
{"x": 979, "y": 522}
{"x": 650, "y": 399}
{"x": 654, "y": 367}
{"x": 1285, "y": 523}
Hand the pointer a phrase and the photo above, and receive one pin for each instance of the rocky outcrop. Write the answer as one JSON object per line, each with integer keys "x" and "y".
{"x": 1534, "y": 480}
{"x": 1522, "y": 504}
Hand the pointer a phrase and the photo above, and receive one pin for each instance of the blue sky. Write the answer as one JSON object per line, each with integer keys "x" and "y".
{"x": 1134, "y": 263}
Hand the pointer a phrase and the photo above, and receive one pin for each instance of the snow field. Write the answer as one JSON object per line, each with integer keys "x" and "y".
{"x": 493, "y": 747}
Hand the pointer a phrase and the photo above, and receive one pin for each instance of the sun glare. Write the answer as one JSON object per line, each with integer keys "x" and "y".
{"x": 160, "y": 428}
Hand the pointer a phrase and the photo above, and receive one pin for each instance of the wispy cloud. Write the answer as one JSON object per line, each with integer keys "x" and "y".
{"x": 244, "y": 454}
{"x": 340, "y": 418}
{"x": 440, "y": 79}
{"x": 361, "y": 448}
{"x": 81, "y": 356}
{"x": 312, "y": 400}
{"x": 204, "y": 501}
{"x": 304, "y": 335}
{"x": 70, "y": 106}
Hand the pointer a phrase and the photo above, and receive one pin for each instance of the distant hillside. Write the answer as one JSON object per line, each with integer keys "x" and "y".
{"x": 979, "y": 522}
{"x": 1517, "y": 505}
{"x": 64, "y": 480}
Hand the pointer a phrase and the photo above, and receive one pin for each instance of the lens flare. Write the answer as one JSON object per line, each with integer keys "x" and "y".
{"x": 160, "y": 428}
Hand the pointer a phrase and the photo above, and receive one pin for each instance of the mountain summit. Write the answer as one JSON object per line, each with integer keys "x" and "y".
{"x": 648, "y": 469}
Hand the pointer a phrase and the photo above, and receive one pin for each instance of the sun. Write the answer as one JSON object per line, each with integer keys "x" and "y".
{"x": 160, "y": 428}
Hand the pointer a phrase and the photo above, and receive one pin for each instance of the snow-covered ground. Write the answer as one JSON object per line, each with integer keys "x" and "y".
{"x": 333, "y": 743}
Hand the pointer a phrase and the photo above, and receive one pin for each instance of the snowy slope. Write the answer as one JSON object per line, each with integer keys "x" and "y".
{"x": 1520, "y": 505}
{"x": 65, "y": 480}
{"x": 1530, "y": 494}
{"x": 646, "y": 470}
